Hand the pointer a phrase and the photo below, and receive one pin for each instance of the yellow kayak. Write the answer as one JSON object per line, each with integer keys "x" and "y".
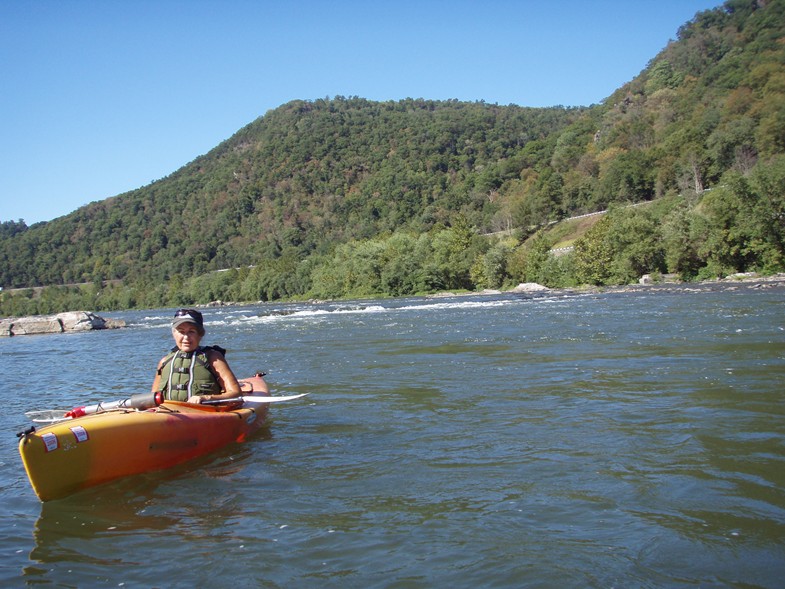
{"x": 75, "y": 454}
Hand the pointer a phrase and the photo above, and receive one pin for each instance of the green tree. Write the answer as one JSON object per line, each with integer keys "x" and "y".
{"x": 490, "y": 269}
{"x": 768, "y": 183}
{"x": 681, "y": 255}
{"x": 594, "y": 255}
{"x": 628, "y": 177}
{"x": 529, "y": 261}
{"x": 620, "y": 248}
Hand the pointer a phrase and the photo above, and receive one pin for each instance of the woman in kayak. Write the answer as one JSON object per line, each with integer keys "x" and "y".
{"x": 190, "y": 372}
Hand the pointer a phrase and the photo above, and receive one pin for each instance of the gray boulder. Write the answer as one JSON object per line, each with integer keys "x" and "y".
{"x": 72, "y": 321}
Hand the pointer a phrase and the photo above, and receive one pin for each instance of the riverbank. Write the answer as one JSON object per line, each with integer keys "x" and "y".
{"x": 747, "y": 280}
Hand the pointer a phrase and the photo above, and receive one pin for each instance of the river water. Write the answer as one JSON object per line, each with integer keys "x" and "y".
{"x": 577, "y": 440}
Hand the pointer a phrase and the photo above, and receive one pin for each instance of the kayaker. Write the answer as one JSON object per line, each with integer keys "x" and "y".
{"x": 190, "y": 372}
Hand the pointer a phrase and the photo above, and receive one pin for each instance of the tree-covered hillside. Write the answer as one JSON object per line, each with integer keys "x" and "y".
{"x": 348, "y": 197}
{"x": 308, "y": 175}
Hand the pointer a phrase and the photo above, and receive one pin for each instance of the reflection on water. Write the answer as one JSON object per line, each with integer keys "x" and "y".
{"x": 115, "y": 525}
{"x": 70, "y": 529}
{"x": 579, "y": 441}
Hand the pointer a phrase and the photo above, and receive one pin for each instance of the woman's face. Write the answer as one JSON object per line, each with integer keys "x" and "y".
{"x": 186, "y": 337}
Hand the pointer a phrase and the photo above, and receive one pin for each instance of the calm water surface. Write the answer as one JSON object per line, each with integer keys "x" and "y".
{"x": 613, "y": 440}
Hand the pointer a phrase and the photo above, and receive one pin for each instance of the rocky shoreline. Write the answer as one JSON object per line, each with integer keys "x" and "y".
{"x": 72, "y": 321}
{"x": 734, "y": 282}
{"x": 748, "y": 280}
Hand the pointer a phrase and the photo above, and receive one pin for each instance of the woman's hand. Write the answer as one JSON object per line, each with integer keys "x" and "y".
{"x": 199, "y": 399}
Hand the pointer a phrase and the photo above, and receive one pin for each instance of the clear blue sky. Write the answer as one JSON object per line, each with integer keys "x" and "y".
{"x": 100, "y": 97}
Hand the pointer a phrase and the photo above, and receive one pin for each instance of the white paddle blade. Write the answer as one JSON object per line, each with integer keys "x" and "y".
{"x": 265, "y": 399}
{"x": 255, "y": 399}
{"x": 47, "y": 415}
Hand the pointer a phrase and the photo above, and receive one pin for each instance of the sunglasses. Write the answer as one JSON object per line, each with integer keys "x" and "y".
{"x": 190, "y": 313}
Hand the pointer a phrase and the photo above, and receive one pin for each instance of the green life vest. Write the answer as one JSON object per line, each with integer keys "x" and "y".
{"x": 185, "y": 374}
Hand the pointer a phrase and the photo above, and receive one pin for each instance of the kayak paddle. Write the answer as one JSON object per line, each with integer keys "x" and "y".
{"x": 140, "y": 401}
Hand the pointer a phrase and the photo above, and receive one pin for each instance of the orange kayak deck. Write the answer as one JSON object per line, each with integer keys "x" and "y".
{"x": 65, "y": 457}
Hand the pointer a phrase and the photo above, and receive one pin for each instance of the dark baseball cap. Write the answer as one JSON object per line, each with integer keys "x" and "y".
{"x": 188, "y": 316}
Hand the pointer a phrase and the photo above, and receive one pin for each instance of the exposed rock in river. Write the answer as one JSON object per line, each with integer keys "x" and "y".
{"x": 530, "y": 287}
{"x": 60, "y": 323}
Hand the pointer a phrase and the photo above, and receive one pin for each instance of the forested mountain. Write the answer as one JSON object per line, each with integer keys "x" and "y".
{"x": 348, "y": 197}
{"x": 307, "y": 175}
